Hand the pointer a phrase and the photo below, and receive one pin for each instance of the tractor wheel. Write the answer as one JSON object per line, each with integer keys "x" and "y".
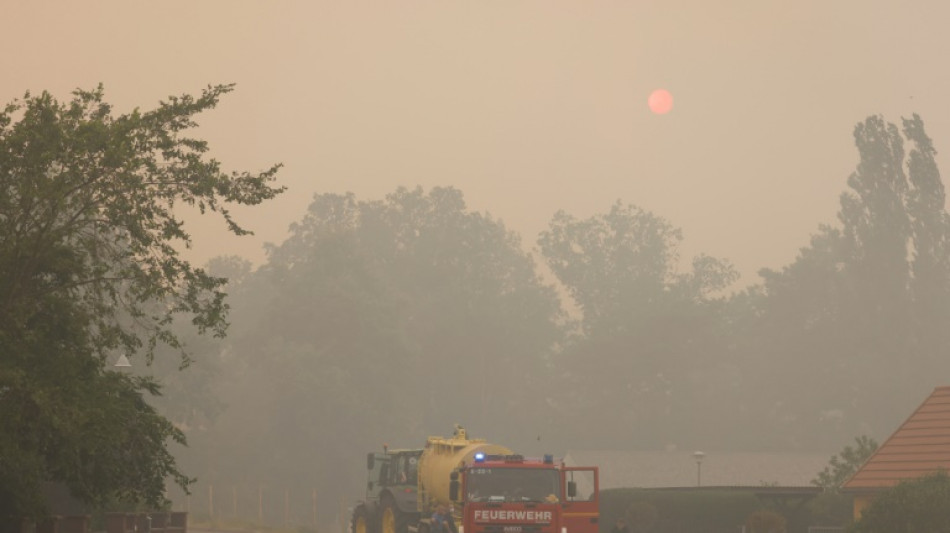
{"x": 361, "y": 522}
{"x": 391, "y": 519}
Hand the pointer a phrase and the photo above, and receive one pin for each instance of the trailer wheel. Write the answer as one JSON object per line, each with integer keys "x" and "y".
{"x": 391, "y": 519}
{"x": 361, "y": 521}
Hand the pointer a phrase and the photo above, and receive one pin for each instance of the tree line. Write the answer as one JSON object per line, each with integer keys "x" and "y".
{"x": 386, "y": 320}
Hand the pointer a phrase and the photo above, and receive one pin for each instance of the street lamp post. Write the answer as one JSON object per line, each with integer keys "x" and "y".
{"x": 699, "y": 466}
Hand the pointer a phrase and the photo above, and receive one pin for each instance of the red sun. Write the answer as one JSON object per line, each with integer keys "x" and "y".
{"x": 660, "y": 101}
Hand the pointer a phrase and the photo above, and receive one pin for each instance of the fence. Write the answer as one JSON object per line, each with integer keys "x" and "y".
{"x": 263, "y": 505}
{"x": 154, "y": 522}
{"x": 58, "y": 524}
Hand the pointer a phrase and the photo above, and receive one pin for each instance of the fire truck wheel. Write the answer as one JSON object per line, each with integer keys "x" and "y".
{"x": 392, "y": 520}
{"x": 361, "y": 522}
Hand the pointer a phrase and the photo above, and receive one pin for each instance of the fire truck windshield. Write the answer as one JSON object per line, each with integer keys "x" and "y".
{"x": 512, "y": 485}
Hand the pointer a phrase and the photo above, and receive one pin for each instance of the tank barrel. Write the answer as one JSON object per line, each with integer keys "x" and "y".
{"x": 441, "y": 457}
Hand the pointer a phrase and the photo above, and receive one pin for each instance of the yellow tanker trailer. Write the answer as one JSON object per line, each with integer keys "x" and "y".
{"x": 440, "y": 458}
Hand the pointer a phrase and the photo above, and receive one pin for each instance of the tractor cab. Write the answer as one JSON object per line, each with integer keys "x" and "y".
{"x": 391, "y": 469}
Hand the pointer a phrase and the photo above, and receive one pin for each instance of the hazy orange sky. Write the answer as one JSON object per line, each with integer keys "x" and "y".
{"x": 526, "y": 106}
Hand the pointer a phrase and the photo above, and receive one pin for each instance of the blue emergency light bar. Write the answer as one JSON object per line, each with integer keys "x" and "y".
{"x": 480, "y": 457}
{"x": 513, "y": 458}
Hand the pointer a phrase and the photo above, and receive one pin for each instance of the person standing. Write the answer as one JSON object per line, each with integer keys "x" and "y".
{"x": 442, "y": 521}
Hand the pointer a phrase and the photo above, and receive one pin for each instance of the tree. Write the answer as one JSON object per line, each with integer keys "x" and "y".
{"x": 911, "y": 507}
{"x": 876, "y": 236}
{"x": 89, "y": 269}
{"x": 842, "y": 466}
{"x": 645, "y": 325}
{"x": 930, "y": 275}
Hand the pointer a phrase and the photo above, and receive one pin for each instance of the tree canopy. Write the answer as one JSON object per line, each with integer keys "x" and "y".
{"x": 910, "y": 507}
{"x": 646, "y": 321}
{"x": 90, "y": 269}
{"x": 843, "y": 465}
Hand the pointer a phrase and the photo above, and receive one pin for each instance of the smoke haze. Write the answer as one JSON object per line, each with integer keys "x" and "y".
{"x": 528, "y": 107}
{"x": 393, "y": 318}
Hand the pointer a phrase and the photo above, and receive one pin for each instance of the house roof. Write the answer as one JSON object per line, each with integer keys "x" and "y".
{"x": 667, "y": 469}
{"x": 920, "y": 446}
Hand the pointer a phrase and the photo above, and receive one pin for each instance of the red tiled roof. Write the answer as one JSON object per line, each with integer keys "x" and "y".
{"x": 920, "y": 446}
